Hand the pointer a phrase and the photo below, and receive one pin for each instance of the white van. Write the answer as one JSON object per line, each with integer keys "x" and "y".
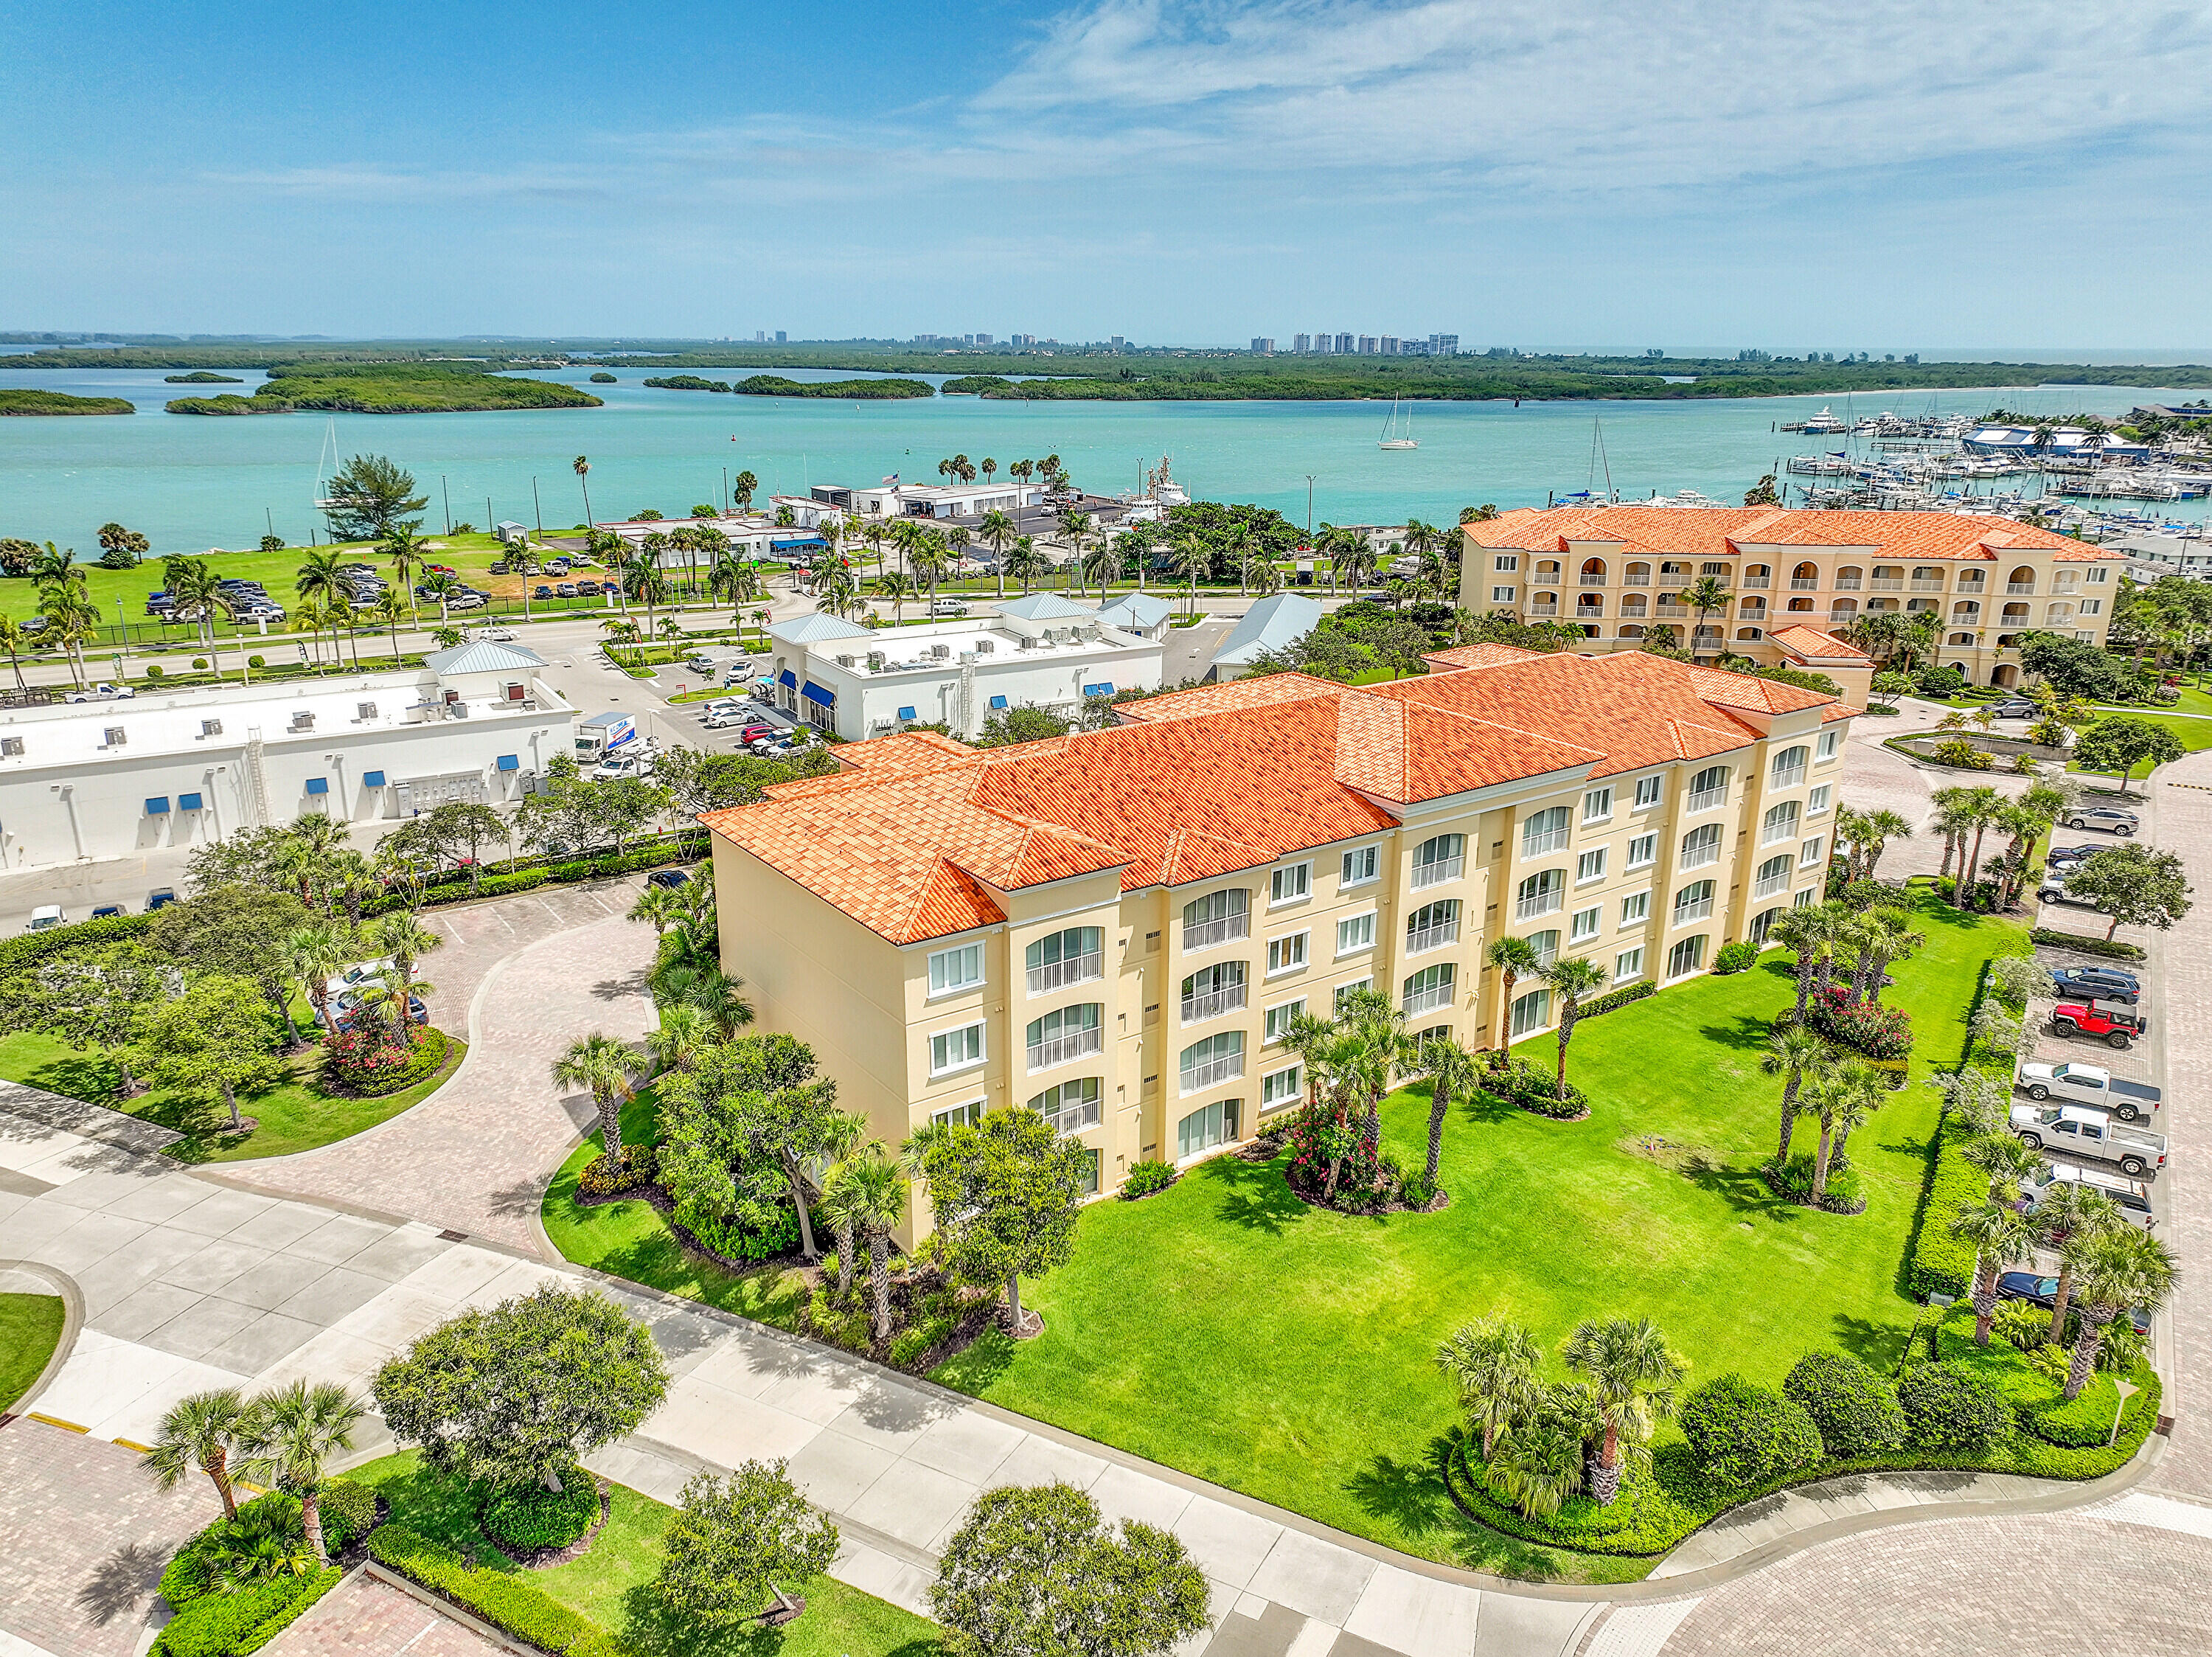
{"x": 948, "y": 608}
{"x": 49, "y": 915}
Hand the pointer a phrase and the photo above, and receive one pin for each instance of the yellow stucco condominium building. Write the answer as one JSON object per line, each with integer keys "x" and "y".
{"x": 1792, "y": 576}
{"x": 1117, "y": 927}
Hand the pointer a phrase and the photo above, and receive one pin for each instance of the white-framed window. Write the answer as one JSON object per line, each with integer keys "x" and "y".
{"x": 2098, "y": 577}
{"x": 1502, "y": 594}
{"x": 1074, "y": 955}
{"x": 1065, "y": 1033}
{"x": 1709, "y": 789}
{"x": 958, "y": 968}
{"x": 1804, "y": 899}
{"x": 1597, "y": 805}
{"x": 1211, "y": 992}
{"x": 1089, "y": 1171}
{"x": 1780, "y": 823}
{"x": 1809, "y": 853}
{"x": 1590, "y": 866}
{"x": 1361, "y": 865}
{"x": 1644, "y": 851}
{"x": 1545, "y": 830}
{"x": 1585, "y": 923}
{"x": 1817, "y": 801}
{"x": 1284, "y": 1086}
{"x": 1531, "y": 1012}
{"x": 1650, "y": 789}
{"x": 1217, "y": 918}
{"x": 1286, "y": 955}
{"x": 1636, "y": 909}
{"x": 1439, "y": 858}
{"x": 1432, "y": 926}
{"x": 1277, "y": 1020}
{"x": 1761, "y": 924}
{"x": 1291, "y": 885}
{"x": 1545, "y": 944}
{"x": 1773, "y": 877}
{"x": 1686, "y": 956}
{"x": 1070, "y": 1107}
{"x": 956, "y": 1050}
{"x": 2091, "y": 607}
{"x": 1355, "y": 933}
{"x": 1789, "y": 768}
{"x": 1628, "y": 964}
{"x": 1205, "y": 1128}
{"x": 1541, "y": 893}
{"x": 1429, "y": 989}
{"x": 1506, "y": 563}
{"x": 1212, "y": 1059}
{"x": 967, "y": 1115}
{"x": 1353, "y": 988}
{"x": 1828, "y": 748}
{"x": 1694, "y": 902}
{"x": 1701, "y": 846}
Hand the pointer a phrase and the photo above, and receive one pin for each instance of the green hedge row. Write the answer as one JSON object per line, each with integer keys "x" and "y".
{"x": 1940, "y": 1263}
{"x": 232, "y": 1625}
{"x": 2111, "y": 948}
{"x": 501, "y": 1599}
{"x": 455, "y": 889}
{"x": 36, "y": 948}
{"x": 1618, "y": 999}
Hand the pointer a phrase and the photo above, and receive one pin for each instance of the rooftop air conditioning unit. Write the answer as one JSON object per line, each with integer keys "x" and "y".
{"x": 1025, "y": 643}
{"x": 942, "y": 652}
{"x": 303, "y": 722}
{"x": 844, "y": 661}
{"x": 984, "y": 647}
{"x": 365, "y": 711}
{"x": 875, "y": 661}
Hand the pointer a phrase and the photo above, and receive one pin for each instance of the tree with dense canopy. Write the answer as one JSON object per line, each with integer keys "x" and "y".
{"x": 370, "y": 496}
{"x": 1497, "y": 1366}
{"x": 734, "y": 1543}
{"x": 1004, "y": 1193}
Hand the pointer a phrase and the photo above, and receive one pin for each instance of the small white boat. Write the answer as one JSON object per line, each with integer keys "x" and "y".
{"x": 1397, "y": 437}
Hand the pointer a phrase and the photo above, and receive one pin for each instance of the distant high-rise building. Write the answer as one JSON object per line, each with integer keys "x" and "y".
{"x": 1117, "y": 341}
{"x": 1345, "y": 344}
{"x": 982, "y": 339}
{"x": 1302, "y": 342}
{"x": 779, "y": 337}
{"x": 1444, "y": 344}
{"x": 1022, "y": 339}
{"x": 1387, "y": 345}
{"x": 1367, "y": 344}
{"x": 760, "y": 336}
{"x": 1262, "y": 345}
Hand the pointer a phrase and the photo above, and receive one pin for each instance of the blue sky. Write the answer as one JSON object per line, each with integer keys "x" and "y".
{"x": 1565, "y": 174}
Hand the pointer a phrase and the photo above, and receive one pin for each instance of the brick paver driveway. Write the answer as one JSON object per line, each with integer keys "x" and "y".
{"x": 532, "y": 973}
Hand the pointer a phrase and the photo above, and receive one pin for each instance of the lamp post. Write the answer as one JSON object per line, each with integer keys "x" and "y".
{"x": 1309, "y": 478}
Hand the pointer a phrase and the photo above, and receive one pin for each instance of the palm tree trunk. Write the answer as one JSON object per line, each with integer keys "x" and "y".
{"x": 1605, "y": 1472}
{"x": 844, "y": 1258}
{"x": 1984, "y": 1300}
{"x": 217, "y": 1468}
{"x": 609, "y": 1116}
{"x": 1506, "y": 1011}
{"x": 2085, "y": 1356}
{"x": 1788, "y": 1118}
{"x": 2059, "y": 1301}
{"x": 1973, "y": 865}
{"x": 879, "y": 1279}
{"x": 1820, "y": 1162}
{"x": 1439, "y": 1103}
{"x": 796, "y": 1175}
{"x": 311, "y": 1521}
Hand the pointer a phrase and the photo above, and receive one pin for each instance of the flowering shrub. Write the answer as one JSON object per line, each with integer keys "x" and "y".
{"x": 1320, "y": 1135}
{"x": 605, "y": 1177}
{"x": 1868, "y": 1028}
{"x": 363, "y": 1059}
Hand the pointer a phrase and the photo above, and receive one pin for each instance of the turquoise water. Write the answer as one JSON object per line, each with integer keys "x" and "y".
{"x": 191, "y": 482}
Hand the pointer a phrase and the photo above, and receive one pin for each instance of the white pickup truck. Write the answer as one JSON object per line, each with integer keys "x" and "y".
{"x": 2089, "y": 1084}
{"x": 2092, "y": 1134}
{"x": 2131, "y": 1196}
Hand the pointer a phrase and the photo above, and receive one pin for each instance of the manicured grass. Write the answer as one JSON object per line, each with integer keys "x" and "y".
{"x": 1225, "y": 1329}
{"x": 30, "y": 1327}
{"x": 295, "y": 1116}
{"x": 2193, "y": 733}
{"x": 610, "y": 1583}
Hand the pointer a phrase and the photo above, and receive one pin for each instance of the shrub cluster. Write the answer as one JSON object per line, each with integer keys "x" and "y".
{"x": 1735, "y": 957}
{"x": 501, "y": 1599}
{"x": 1948, "y": 1408}
{"x": 232, "y": 1625}
{"x": 1842, "y": 1194}
{"x": 1145, "y": 1178}
{"x": 1941, "y": 1263}
{"x": 528, "y": 1518}
{"x": 1614, "y": 999}
{"x": 1961, "y": 755}
{"x": 1536, "y": 1090}
{"x": 1854, "y": 1410}
{"x": 604, "y": 1176}
{"x": 754, "y": 1230}
{"x": 1864, "y": 1027}
{"x": 2111, "y": 948}
{"x": 1744, "y": 1434}
{"x": 21, "y": 955}
{"x": 363, "y": 1061}
{"x": 2084, "y": 1424}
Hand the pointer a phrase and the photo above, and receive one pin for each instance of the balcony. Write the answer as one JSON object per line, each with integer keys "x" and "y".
{"x": 1435, "y": 873}
{"x": 1848, "y": 583}
{"x": 1635, "y": 580}
{"x": 1788, "y": 776}
{"x": 1196, "y": 1010}
{"x": 1754, "y": 581}
{"x": 1593, "y": 581}
{"x": 1432, "y": 937}
{"x": 1700, "y": 910}
{"x": 1887, "y": 584}
{"x": 1803, "y": 583}
{"x": 1227, "y": 1068}
{"x": 1208, "y": 933}
{"x": 1668, "y": 607}
{"x": 1545, "y": 903}
{"x": 1922, "y": 584}
{"x": 1058, "y": 975}
{"x": 1551, "y": 609}
{"x": 1544, "y": 841}
{"x": 1843, "y": 613}
{"x": 1706, "y": 799}
{"x": 1079, "y": 1044}
{"x": 1970, "y": 581}
{"x": 1428, "y": 1001}
{"x": 2019, "y": 588}
{"x": 1771, "y": 885}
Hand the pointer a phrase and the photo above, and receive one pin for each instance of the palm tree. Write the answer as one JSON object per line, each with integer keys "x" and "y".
{"x": 1454, "y": 1073}
{"x": 660, "y": 905}
{"x": 1703, "y": 597}
{"x": 1632, "y": 1378}
{"x": 2021, "y": 824}
{"x": 1496, "y": 1365}
{"x": 866, "y": 1192}
{"x": 321, "y": 580}
{"x": 1981, "y": 806}
{"x": 996, "y": 530}
{"x": 1884, "y": 936}
{"x": 602, "y": 1064}
{"x": 2003, "y": 1238}
{"x": 926, "y": 555}
{"x": 1541, "y": 1464}
{"x": 1102, "y": 564}
{"x": 1809, "y": 934}
{"x": 2071, "y": 1218}
{"x": 1795, "y": 1052}
{"x": 2123, "y": 1269}
{"x": 1191, "y": 557}
{"x": 1572, "y": 978}
{"x": 406, "y": 941}
{"x": 200, "y": 1432}
{"x": 1024, "y": 561}
{"x": 898, "y": 588}
{"x": 1872, "y": 831}
{"x": 288, "y": 1439}
{"x": 314, "y": 953}
{"x": 1953, "y": 818}
{"x": 582, "y": 467}
{"x": 14, "y": 642}
{"x": 683, "y": 1033}
{"x": 741, "y": 487}
{"x": 191, "y": 584}
{"x": 1514, "y": 959}
{"x": 1844, "y": 1099}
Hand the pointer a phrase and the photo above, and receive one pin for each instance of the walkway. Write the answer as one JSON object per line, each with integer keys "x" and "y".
{"x": 534, "y": 972}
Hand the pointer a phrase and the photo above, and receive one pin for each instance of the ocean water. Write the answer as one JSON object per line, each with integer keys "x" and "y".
{"x": 191, "y": 482}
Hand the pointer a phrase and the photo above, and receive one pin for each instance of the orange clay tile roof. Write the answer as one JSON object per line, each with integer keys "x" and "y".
{"x": 1719, "y": 531}
{"x": 1478, "y": 655}
{"x": 915, "y": 841}
{"x": 1814, "y": 641}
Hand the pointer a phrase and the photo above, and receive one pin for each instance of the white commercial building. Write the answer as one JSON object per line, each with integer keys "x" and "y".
{"x": 893, "y": 499}
{"x": 80, "y": 782}
{"x": 862, "y": 682}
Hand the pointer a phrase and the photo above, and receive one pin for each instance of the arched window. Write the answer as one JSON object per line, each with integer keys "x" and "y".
{"x": 1843, "y": 609}
{"x": 1757, "y": 575}
{"x": 2023, "y": 580}
{"x": 1773, "y": 876}
{"x": 1708, "y": 788}
{"x": 1539, "y": 894}
{"x": 1072, "y": 956}
{"x": 1432, "y": 926}
{"x": 1965, "y": 610}
{"x": 1799, "y": 607}
{"x": 1750, "y": 608}
{"x": 1589, "y": 603}
{"x": 1780, "y": 823}
{"x": 2058, "y": 612}
{"x": 1070, "y": 1107}
{"x": 1632, "y": 632}
{"x": 1429, "y": 989}
{"x": 1593, "y": 572}
{"x": 1701, "y": 846}
{"x": 1439, "y": 858}
{"x": 1848, "y": 578}
{"x": 1805, "y": 576}
{"x": 1545, "y": 832}
{"x": 2014, "y": 615}
{"x": 1639, "y": 574}
{"x": 1694, "y": 902}
{"x": 1790, "y": 767}
{"x": 1217, "y": 918}
{"x": 1213, "y": 990}
{"x": 1748, "y": 635}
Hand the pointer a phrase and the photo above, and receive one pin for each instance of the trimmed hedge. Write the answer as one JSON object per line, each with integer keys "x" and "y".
{"x": 531, "y": 1517}
{"x": 1853, "y": 1410}
{"x": 1742, "y": 1433}
{"x": 2083, "y": 1424}
{"x": 1614, "y": 999}
{"x": 33, "y": 949}
{"x": 1949, "y": 1409}
{"x": 2111, "y": 948}
{"x": 232, "y": 1625}
{"x": 504, "y": 1600}
{"x": 1941, "y": 1263}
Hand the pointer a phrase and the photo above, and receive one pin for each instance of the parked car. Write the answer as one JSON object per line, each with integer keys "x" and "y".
{"x": 2040, "y": 1290}
{"x": 668, "y": 877}
{"x": 591, "y": 589}
{"x": 2053, "y": 890}
{"x": 721, "y": 719}
{"x": 2131, "y": 1196}
{"x": 567, "y": 589}
{"x": 556, "y": 566}
{"x": 357, "y": 975}
{"x": 2112, "y": 1026}
{"x": 702, "y": 666}
{"x": 262, "y": 612}
{"x": 48, "y": 915}
{"x": 343, "y": 1009}
{"x": 2061, "y": 860}
{"x": 2111, "y": 819}
{"x": 2013, "y": 707}
{"x": 108, "y": 911}
{"x": 491, "y": 634}
{"x": 440, "y": 570}
{"x": 948, "y": 608}
{"x": 541, "y": 591}
{"x": 102, "y": 692}
{"x": 2098, "y": 983}
{"x": 2087, "y": 1084}
{"x": 2090, "y": 1134}
{"x": 466, "y": 601}
{"x": 159, "y": 898}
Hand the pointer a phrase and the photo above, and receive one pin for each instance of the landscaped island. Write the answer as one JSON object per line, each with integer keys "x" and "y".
{"x": 771, "y": 385}
{"x": 201, "y": 377}
{"x": 390, "y": 389}
{"x": 25, "y": 399}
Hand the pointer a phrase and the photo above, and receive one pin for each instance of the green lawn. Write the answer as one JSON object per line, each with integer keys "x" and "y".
{"x": 609, "y": 1583}
{"x": 1227, "y": 1329}
{"x": 295, "y": 1116}
{"x": 30, "y": 1327}
{"x": 2191, "y": 731}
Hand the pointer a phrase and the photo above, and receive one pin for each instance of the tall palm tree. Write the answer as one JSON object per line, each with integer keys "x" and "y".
{"x": 1454, "y": 1073}
{"x": 2022, "y": 824}
{"x": 14, "y": 642}
{"x": 1514, "y": 959}
{"x": 2002, "y": 1237}
{"x": 1024, "y": 561}
{"x": 1845, "y": 1099}
{"x": 867, "y": 1192}
{"x": 1191, "y": 557}
{"x": 322, "y": 581}
{"x": 314, "y": 954}
{"x": 200, "y": 1432}
{"x": 1953, "y": 819}
{"x": 2071, "y": 1218}
{"x": 1871, "y": 833}
{"x": 1703, "y": 597}
{"x": 996, "y": 531}
{"x": 1632, "y": 1377}
{"x": 928, "y": 555}
{"x": 1795, "y": 1052}
{"x": 581, "y": 466}
{"x": 2122, "y": 1269}
{"x": 1885, "y": 936}
{"x": 1238, "y": 544}
{"x": 1809, "y": 934}
{"x": 741, "y": 487}
{"x": 1982, "y": 806}
{"x": 1376, "y": 1021}
{"x": 1102, "y": 564}
{"x": 406, "y": 941}
{"x": 683, "y": 1033}
{"x": 660, "y": 905}
{"x": 403, "y": 546}
{"x": 193, "y": 583}
{"x": 603, "y": 1065}
{"x": 2010, "y": 1162}
{"x": 898, "y": 588}
{"x": 1496, "y": 1365}
{"x": 290, "y": 1438}
{"x": 1571, "y": 977}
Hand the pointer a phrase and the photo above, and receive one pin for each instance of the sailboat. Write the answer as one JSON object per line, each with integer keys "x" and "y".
{"x": 1397, "y": 437}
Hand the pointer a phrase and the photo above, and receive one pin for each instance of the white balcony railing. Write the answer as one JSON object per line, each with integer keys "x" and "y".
{"x": 1196, "y": 1010}
{"x": 1848, "y": 583}
{"x": 1544, "y": 609}
{"x": 1428, "y": 1001}
{"x": 1788, "y": 776}
{"x": 1544, "y": 840}
{"x": 1526, "y": 909}
{"x": 1927, "y": 584}
{"x": 1207, "y": 933}
{"x": 1226, "y": 1068}
{"x": 1803, "y": 583}
{"x": 1770, "y": 884}
{"x": 1753, "y": 580}
{"x": 1700, "y": 910}
{"x": 1435, "y": 873}
{"x": 1593, "y": 581}
{"x": 1635, "y": 580}
{"x": 2017, "y": 589}
{"x": 1706, "y": 799}
{"x": 1079, "y": 1044}
{"x": 1058, "y": 975}
{"x": 1887, "y": 584}
{"x": 1432, "y": 937}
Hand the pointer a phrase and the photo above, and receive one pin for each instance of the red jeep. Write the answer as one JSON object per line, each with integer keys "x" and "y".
{"x": 2114, "y": 1027}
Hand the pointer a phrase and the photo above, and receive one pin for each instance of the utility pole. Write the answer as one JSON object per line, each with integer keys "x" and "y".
{"x": 448, "y": 496}
{"x": 1309, "y": 478}
{"x": 536, "y": 508}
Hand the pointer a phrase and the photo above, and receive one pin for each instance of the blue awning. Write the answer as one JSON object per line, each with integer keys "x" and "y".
{"x": 372, "y": 779}
{"x": 318, "y": 785}
{"x": 998, "y": 702}
{"x": 1106, "y": 689}
{"x": 786, "y": 677}
{"x": 798, "y": 544}
{"x": 814, "y": 692}
{"x": 906, "y": 713}
{"x": 158, "y": 806}
{"x": 507, "y": 762}
{"x": 188, "y": 802}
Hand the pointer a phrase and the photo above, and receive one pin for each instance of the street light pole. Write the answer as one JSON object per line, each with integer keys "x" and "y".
{"x": 1309, "y": 478}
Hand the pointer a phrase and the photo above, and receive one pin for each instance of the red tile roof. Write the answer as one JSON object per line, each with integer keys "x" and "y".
{"x": 1814, "y": 642}
{"x": 1720, "y": 532}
